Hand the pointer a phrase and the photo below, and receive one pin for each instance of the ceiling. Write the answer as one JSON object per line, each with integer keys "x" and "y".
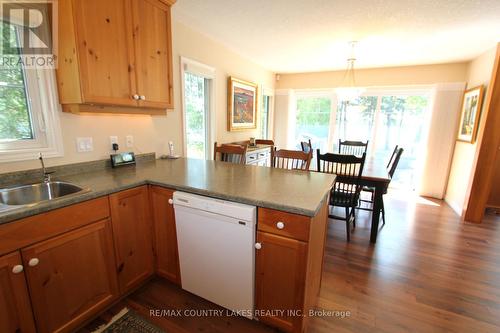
{"x": 313, "y": 35}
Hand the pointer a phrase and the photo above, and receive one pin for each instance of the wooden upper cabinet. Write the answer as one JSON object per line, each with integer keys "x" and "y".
{"x": 71, "y": 277}
{"x": 115, "y": 53}
{"x": 153, "y": 45}
{"x": 15, "y": 306}
{"x": 105, "y": 52}
{"x": 166, "y": 252}
{"x": 132, "y": 230}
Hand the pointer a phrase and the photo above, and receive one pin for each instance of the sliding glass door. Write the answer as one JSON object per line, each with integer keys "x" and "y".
{"x": 386, "y": 119}
{"x": 402, "y": 121}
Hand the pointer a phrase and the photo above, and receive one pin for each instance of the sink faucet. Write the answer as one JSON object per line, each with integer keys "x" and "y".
{"x": 46, "y": 175}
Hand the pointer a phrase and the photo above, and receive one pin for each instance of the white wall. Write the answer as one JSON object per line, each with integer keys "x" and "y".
{"x": 151, "y": 133}
{"x": 479, "y": 72}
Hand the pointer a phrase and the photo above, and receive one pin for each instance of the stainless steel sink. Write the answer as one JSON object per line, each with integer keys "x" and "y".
{"x": 36, "y": 193}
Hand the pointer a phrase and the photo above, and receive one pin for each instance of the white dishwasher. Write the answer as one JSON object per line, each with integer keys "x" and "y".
{"x": 216, "y": 241}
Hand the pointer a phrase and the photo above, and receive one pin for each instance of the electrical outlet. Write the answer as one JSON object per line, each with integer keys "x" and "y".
{"x": 84, "y": 145}
{"x": 112, "y": 140}
{"x": 129, "y": 141}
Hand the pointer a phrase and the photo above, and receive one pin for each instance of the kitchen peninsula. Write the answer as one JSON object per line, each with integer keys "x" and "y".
{"x": 123, "y": 227}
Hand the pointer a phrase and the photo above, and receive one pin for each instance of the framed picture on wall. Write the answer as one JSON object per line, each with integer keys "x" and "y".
{"x": 471, "y": 111}
{"x": 242, "y": 105}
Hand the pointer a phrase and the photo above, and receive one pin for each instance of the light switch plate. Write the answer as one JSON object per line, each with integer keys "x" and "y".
{"x": 84, "y": 145}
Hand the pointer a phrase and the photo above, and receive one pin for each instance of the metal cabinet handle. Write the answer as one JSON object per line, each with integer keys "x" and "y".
{"x": 170, "y": 201}
{"x": 33, "y": 262}
{"x": 17, "y": 269}
{"x": 258, "y": 246}
{"x": 143, "y": 98}
{"x": 280, "y": 225}
{"x": 136, "y": 97}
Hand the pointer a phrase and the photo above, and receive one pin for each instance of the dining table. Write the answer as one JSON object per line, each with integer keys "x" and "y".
{"x": 376, "y": 176}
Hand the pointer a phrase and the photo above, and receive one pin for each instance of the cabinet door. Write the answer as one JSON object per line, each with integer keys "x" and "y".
{"x": 166, "y": 252}
{"x": 280, "y": 280}
{"x": 153, "y": 53}
{"x": 15, "y": 306}
{"x": 132, "y": 229}
{"x": 71, "y": 277}
{"x": 105, "y": 49}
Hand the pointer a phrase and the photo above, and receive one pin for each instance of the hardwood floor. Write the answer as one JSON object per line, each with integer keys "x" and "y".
{"x": 428, "y": 272}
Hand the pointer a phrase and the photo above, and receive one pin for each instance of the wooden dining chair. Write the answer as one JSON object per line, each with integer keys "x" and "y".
{"x": 392, "y": 156}
{"x": 290, "y": 159}
{"x": 391, "y": 167}
{"x": 346, "y": 188}
{"x": 357, "y": 148}
{"x": 264, "y": 142}
{"x": 306, "y": 146}
{"x": 230, "y": 153}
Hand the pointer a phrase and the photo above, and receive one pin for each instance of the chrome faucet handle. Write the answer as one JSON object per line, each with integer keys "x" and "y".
{"x": 47, "y": 176}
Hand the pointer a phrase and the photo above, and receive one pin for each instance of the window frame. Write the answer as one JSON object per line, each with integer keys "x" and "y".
{"x": 209, "y": 74}
{"x": 269, "y": 93}
{"x": 45, "y": 108}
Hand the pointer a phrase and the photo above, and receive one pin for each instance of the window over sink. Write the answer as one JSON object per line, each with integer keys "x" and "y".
{"x": 29, "y": 121}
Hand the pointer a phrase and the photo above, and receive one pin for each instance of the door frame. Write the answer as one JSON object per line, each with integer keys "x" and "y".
{"x": 188, "y": 65}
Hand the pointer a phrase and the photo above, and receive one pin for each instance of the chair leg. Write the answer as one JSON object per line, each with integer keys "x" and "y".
{"x": 354, "y": 217}
{"x": 347, "y": 223}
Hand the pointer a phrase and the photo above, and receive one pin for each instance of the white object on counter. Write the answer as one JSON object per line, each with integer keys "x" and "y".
{"x": 216, "y": 250}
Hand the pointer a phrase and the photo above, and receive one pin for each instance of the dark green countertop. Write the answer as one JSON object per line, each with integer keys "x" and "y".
{"x": 290, "y": 191}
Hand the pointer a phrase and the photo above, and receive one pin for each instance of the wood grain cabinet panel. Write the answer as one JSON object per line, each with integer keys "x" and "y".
{"x": 166, "y": 251}
{"x": 71, "y": 277}
{"x": 280, "y": 280}
{"x": 115, "y": 53}
{"x": 15, "y": 306}
{"x": 105, "y": 50}
{"x": 132, "y": 230}
{"x": 153, "y": 45}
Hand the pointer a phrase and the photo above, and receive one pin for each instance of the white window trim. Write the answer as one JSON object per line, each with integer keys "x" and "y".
{"x": 44, "y": 88}
{"x": 208, "y": 72}
{"x": 266, "y": 91}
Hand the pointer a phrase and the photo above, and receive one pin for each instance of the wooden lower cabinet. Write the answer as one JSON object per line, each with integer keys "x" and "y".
{"x": 288, "y": 267}
{"x": 166, "y": 251}
{"x": 15, "y": 306}
{"x": 71, "y": 277}
{"x": 132, "y": 228}
{"x": 279, "y": 280}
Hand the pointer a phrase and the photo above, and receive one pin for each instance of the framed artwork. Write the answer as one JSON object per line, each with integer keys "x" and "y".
{"x": 242, "y": 105}
{"x": 471, "y": 111}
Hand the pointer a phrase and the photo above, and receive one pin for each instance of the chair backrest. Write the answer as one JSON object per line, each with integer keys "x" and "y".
{"x": 306, "y": 146}
{"x": 392, "y": 156}
{"x": 264, "y": 142}
{"x": 290, "y": 159}
{"x": 230, "y": 153}
{"x": 348, "y": 169}
{"x": 395, "y": 162}
{"x": 357, "y": 148}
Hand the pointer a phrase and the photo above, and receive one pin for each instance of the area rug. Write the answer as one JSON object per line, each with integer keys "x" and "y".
{"x": 129, "y": 321}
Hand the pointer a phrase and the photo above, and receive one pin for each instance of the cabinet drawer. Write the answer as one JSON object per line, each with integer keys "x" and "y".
{"x": 284, "y": 224}
{"x": 30, "y": 230}
{"x": 252, "y": 158}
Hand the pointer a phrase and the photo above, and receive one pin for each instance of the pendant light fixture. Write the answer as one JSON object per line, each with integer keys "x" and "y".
{"x": 348, "y": 90}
